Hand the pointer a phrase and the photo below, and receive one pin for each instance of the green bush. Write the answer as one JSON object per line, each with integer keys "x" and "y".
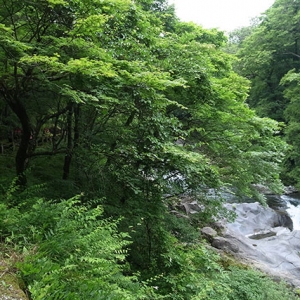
{"x": 71, "y": 251}
{"x": 191, "y": 271}
{"x": 247, "y": 284}
{"x": 194, "y": 272}
{"x": 9, "y": 218}
{"x": 79, "y": 255}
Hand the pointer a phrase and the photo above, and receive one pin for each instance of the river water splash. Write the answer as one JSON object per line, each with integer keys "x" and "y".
{"x": 290, "y": 203}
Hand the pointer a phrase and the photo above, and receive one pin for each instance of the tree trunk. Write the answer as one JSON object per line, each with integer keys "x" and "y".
{"x": 24, "y": 147}
{"x": 69, "y": 151}
{"x": 76, "y": 141}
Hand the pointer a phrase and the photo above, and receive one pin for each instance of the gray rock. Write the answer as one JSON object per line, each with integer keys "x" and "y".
{"x": 276, "y": 254}
{"x": 290, "y": 190}
{"x": 190, "y": 206}
{"x": 253, "y": 218}
{"x": 208, "y": 233}
{"x": 219, "y": 225}
{"x": 284, "y": 220}
{"x": 263, "y": 189}
{"x": 225, "y": 244}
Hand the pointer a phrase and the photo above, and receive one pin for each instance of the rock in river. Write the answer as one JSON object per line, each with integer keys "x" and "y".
{"x": 263, "y": 237}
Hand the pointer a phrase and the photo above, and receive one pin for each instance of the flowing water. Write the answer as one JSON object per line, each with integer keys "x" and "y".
{"x": 290, "y": 203}
{"x": 293, "y": 208}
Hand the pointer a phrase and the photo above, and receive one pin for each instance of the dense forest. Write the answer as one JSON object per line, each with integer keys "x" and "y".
{"x": 114, "y": 111}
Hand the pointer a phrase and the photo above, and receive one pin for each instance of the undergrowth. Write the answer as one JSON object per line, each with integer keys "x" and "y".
{"x": 70, "y": 251}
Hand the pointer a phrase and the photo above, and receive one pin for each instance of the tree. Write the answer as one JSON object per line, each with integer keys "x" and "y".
{"x": 215, "y": 117}
{"x": 53, "y": 62}
{"x": 268, "y": 54}
{"x": 237, "y": 36}
{"x": 146, "y": 109}
{"x": 267, "y": 58}
{"x": 290, "y": 82}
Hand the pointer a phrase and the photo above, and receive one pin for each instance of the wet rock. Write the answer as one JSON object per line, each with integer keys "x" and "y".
{"x": 290, "y": 190}
{"x": 261, "y": 235}
{"x": 284, "y": 220}
{"x": 254, "y": 218}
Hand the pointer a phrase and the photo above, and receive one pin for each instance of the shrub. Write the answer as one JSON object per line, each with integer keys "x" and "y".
{"x": 194, "y": 272}
{"x": 248, "y": 284}
{"x": 71, "y": 251}
{"x": 81, "y": 255}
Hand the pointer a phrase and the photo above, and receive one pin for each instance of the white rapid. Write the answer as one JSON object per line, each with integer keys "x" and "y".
{"x": 293, "y": 208}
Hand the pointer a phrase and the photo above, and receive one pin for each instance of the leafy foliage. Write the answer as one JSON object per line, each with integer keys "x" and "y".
{"x": 269, "y": 57}
{"x": 135, "y": 108}
{"x": 268, "y": 54}
{"x": 72, "y": 252}
{"x": 250, "y": 284}
{"x": 291, "y": 83}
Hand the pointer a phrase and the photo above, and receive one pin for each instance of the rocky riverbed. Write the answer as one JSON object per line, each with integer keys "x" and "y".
{"x": 261, "y": 237}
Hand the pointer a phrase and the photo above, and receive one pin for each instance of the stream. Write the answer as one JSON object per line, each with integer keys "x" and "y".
{"x": 262, "y": 235}
{"x": 290, "y": 203}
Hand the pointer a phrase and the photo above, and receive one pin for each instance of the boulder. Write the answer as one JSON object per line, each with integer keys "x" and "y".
{"x": 263, "y": 189}
{"x": 262, "y": 237}
{"x": 253, "y": 218}
{"x": 9, "y": 282}
{"x": 208, "y": 233}
{"x": 290, "y": 190}
{"x": 190, "y": 205}
{"x": 225, "y": 244}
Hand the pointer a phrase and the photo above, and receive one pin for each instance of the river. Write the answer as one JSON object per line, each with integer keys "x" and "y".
{"x": 291, "y": 203}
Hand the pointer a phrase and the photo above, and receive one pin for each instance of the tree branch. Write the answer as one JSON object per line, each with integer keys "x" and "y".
{"x": 291, "y": 53}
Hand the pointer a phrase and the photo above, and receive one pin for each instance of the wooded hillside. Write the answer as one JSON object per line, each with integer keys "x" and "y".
{"x": 110, "y": 113}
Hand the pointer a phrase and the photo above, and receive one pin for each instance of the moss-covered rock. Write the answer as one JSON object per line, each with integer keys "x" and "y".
{"x": 9, "y": 283}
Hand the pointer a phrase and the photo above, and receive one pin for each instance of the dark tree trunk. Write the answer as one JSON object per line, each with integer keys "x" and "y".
{"x": 69, "y": 151}
{"x": 24, "y": 149}
{"x": 76, "y": 141}
{"x": 76, "y": 125}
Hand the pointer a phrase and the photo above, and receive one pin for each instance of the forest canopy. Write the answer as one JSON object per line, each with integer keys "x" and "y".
{"x": 117, "y": 83}
{"x": 110, "y": 113}
{"x": 269, "y": 58}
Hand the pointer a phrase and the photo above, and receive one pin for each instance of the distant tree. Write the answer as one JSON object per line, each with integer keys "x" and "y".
{"x": 270, "y": 59}
{"x": 237, "y": 36}
{"x": 268, "y": 54}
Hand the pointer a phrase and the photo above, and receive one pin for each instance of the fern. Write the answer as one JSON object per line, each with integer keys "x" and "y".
{"x": 80, "y": 255}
